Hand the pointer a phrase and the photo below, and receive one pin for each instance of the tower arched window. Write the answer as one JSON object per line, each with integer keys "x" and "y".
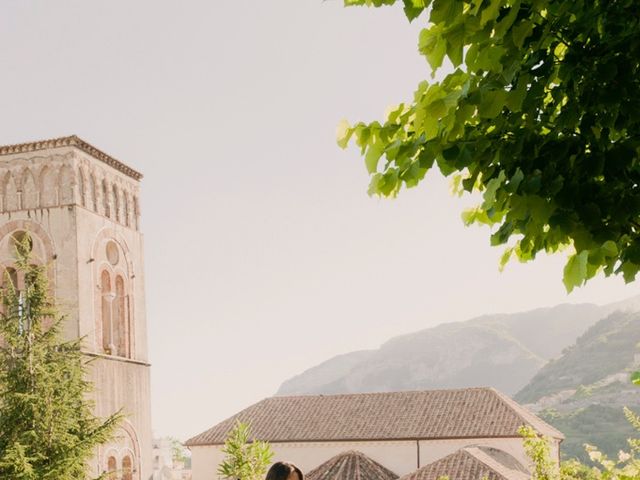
{"x": 105, "y": 199}
{"x": 121, "y": 316}
{"x": 91, "y": 201}
{"x": 127, "y": 468}
{"x": 136, "y": 213}
{"x": 66, "y": 185}
{"x": 112, "y": 467}
{"x": 29, "y": 191}
{"x": 116, "y": 204}
{"x": 82, "y": 188}
{"x": 107, "y": 312}
{"x": 125, "y": 209}
{"x": 48, "y": 188}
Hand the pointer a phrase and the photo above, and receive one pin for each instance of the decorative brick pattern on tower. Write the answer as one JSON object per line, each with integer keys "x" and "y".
{"x": 81, "y": 207}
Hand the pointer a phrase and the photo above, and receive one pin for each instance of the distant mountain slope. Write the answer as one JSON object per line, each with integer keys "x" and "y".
{"x": 582, "y": 392}
{"x": 606, "y": 350}
{"x": 503, "y": 351}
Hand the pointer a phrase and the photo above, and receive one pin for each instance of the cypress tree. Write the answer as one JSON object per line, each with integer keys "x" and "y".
{"x": 47, "y": 427}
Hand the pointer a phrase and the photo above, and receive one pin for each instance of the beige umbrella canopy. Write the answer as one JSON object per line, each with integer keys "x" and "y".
{"x": 351, "y": 465}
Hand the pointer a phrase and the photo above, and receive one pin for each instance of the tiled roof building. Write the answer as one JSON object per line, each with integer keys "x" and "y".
{"x": 432, "y": 414}
{"x": 411, "y": 434}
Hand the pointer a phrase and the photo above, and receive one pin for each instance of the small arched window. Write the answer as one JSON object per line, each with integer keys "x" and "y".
{"x": 91, "y": 201}
{"x": 48, "y": 188}
{"x": 136, "y": 213}
{"x": 11, "y": 193}
{"x": 127, "y": 468}
{"x": 116, "y": 204}
{"x": 105, "y": 199}
{"x": 122, "y": 325}
{"x": 29, "y": 191}
{"x": 106, "y": 311}
{"x": 125, "y": 209}
{"x": 82, "y": 188}
{"x": 66, "y": 185}
{"x": 112, "y": 467}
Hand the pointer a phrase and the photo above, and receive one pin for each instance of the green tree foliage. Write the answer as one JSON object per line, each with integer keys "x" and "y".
{"x": 47, "y": 429}
{"x": 244, "y": 459}
{"x": 541, "y": 114}
{"x": 178, "y": 451}
{"x": 625, "y": 467}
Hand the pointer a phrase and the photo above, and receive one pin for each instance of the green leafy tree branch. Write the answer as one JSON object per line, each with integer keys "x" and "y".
{"x": 625, "y": 467}
{"x": 541, "y": 114}
{"x": 245, "y": 459}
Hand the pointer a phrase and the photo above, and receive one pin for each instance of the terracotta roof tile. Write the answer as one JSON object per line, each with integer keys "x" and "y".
{"x": 351, "y": 465}
{"x": 464, "y": 413}
{"x": 473, "y": 463}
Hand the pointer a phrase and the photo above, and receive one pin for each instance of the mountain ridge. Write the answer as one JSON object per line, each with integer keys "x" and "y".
{"x": 500, "y": 350}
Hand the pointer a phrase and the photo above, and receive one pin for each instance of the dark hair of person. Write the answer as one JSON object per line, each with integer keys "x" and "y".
{"x": 282, "y": 470}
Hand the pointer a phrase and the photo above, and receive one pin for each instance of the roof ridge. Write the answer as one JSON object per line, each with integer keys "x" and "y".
{"x": 70, "y": 141}
{"x": 361, "y": 394}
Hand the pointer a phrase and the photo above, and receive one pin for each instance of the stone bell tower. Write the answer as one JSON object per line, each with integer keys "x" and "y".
{"x": 81, "y": 208}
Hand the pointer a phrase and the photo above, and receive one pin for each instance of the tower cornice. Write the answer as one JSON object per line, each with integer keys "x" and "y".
{"x": 71, "y": 141}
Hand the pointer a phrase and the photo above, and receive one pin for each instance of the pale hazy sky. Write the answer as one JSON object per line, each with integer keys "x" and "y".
{"x": 264, "y": 255}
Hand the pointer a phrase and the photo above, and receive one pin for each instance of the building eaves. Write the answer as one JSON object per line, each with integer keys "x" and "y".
{"x": 71, "y": 141}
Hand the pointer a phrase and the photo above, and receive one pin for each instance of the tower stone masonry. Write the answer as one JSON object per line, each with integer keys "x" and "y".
{"x": 81, "y": 208}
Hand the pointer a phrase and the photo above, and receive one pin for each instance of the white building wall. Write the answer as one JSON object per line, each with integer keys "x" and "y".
{"x": 400, "y": 457}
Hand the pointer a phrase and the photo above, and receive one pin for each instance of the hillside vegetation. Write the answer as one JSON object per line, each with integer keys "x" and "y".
{"x": 607, "y": 348}
{"x": 583, "y": 392}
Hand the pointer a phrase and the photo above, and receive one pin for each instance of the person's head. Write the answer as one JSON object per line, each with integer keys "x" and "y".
{"x": 284, "y": 471}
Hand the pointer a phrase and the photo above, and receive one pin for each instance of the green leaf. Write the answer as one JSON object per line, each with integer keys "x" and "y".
{"x": 490, "y": 12}
{"x": 455, "y": 44}
{"x": 575, "y": 271}
{"x": 521, "y": 31}
{"x": 413, "y": 8}
{"x": 437, "y": 109}
{"x": 344, "y": 133}
{"x": 433, "y": 46}
{"x": 505, "y": 24}
{"x": 489, "y": 195}
{"x": 629, "y": 271}
{"x": 446, "y": 11}
{"x": 374, "y": 152}
{"x": 476, "y": 5}
{"x": 492, "y": 103}
{"x": 516, "y": 97}
{"x": 635, "y": 378}
{"x": 475, "y": 215}
{"x": 487, "y": 59}
{"x": 505, "y": 257}
{"x": 514, "y": 182}
{"x": 609, "y": 248}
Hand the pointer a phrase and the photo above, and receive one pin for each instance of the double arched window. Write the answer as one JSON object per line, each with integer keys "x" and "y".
{"x": 114, "y": 314}
{"x": 123, "y": 471}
